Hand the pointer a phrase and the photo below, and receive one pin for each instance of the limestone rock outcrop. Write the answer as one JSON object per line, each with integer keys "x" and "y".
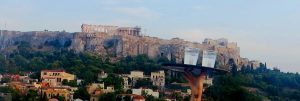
{"x": 118, "y": 45}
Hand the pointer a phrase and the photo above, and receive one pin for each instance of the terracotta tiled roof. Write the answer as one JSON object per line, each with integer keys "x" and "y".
{"x": 138, "y": 97}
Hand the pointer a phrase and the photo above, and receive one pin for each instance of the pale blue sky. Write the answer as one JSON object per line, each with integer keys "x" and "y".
{"x": 266, "y": 30}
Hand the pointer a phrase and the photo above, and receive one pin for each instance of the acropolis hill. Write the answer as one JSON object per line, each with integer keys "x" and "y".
{"x": 117, "y": 42}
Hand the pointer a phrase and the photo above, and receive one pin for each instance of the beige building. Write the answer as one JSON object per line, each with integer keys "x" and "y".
{"x": 23, "y": 88}
{"x": 136, "y": 74}
{"x": 95, "y": 95}
{"x": 55, "y": 91}
{"x": 126, "y": 84}
{"x": 158, "y": 78}
{"x": 146, "y": 91}
{"x": 92, "y": 87}
{"x": 96, "y": 89}
{"x": 55, "y": 77}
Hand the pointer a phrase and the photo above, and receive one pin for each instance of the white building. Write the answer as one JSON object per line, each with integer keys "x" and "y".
{"x": 101, "y": 75}
{"x": 136, "y": 74}
{"x": 146, "y": 91}
{"x": 126, "y": 84}
{"x": 158, "y": 78}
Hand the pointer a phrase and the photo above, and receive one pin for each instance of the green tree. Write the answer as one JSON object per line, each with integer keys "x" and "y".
{"x": 233, "y": 66}
{"x": 114, "y": 80}
{"x": 127, "y": 98}
{"x": 143, "y": 83}
{"x": 16, "y": 96}
{"x": 5, "y": 80}
{"x": 56, "y": 64}
{"x": 72, "y": 83}
{"x": 2, "y": 63}
{"x": 44, "y": 97}
{"x": 31, "y": 95}
{"x": 37, "y": 64}
{"x": 108, "y": 97}
{"x": 163, "y": 59}
{"x": 82, "y": 93}
{"x": 61, "y": 98}
{"x": 21, "y": 61}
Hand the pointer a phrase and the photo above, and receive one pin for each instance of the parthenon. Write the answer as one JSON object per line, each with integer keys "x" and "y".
{"x": 86, "y": 28}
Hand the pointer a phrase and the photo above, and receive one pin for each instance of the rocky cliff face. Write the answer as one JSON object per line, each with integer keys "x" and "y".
{"x": 39, "y": 40}
{"x": 117, "y": 45}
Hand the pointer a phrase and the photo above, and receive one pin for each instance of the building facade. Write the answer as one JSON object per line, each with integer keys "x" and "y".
{"x": 158, "y": 78}
{"x": 146, "y": 91}
{"x": 56, "y": 77}
{"x": 52, "y": 92}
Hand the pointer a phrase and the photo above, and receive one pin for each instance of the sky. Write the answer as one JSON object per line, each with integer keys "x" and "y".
{"x": 265, "y": 30}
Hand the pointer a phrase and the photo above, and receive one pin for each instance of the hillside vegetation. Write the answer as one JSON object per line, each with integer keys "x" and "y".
{"x": 255, "y": 85}
{"x": 244, "y": 85}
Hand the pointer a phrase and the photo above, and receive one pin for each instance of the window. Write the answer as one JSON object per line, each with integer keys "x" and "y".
{"x": 58, "y": 80}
